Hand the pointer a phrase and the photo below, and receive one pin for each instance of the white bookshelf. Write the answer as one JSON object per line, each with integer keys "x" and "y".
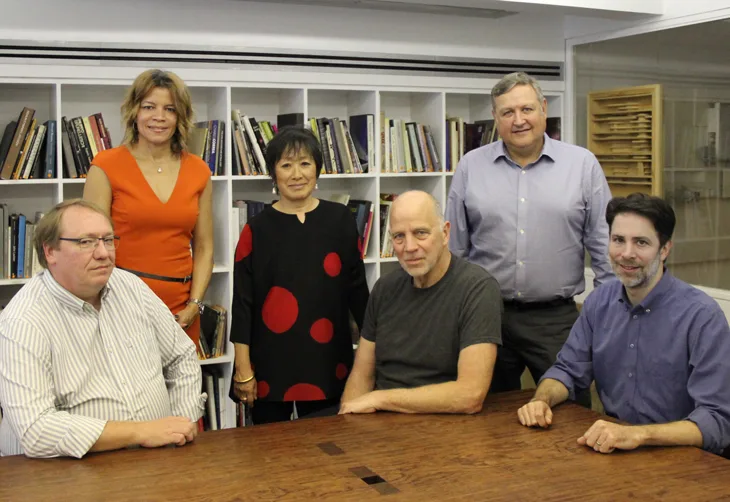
{"x": 62, "y": 93}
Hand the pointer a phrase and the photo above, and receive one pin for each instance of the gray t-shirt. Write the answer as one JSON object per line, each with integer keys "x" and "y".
{"x": 419, "y": 332}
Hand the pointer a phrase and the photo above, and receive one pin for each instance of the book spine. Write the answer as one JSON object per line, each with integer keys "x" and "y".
{"x": 21, "y": 166}
{"x": 50, "y": 160}
{"x": 85, "y": 155}
{"x": 255, "y": 144}
{"x": 26, "y": 116}
{"x": 20, "y": 271}
{"x": 90, "y": 137}
{"x": 35, "y": 149}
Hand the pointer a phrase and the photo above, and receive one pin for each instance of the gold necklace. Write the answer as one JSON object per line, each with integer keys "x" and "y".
{"x": 153, "y": 161}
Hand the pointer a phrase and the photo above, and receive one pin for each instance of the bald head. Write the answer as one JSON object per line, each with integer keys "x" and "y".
{"x": 420, "y": 236}
{"x": 420, "y": 204}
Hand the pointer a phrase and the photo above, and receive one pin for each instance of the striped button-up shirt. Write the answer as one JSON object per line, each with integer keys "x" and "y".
{"x": 66, "y": 368}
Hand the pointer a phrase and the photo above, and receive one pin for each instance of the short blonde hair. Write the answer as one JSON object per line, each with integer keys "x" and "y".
{"x": 142, "y": 86}
{"x": 48, "y": 229}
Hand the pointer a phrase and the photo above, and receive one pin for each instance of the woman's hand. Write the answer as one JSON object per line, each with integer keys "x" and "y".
{"x": 246, "y": 392}
{"x": 187, "y": 316}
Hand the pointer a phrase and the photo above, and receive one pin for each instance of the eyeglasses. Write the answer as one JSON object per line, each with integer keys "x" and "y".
{"x": 111, "y": 242}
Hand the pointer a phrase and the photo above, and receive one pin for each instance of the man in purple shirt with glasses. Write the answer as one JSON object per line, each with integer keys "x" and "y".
{"x": 658, "y": 348}
{"x": 527, "y": 208}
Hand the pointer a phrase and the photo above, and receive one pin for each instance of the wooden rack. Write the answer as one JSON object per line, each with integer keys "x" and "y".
{"x": 624, "y": 133}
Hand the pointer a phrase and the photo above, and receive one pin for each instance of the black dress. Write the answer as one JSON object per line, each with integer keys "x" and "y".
{"x": 294, "y": 284}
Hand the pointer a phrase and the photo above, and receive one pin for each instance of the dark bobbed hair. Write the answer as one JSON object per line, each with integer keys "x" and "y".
{"x": 292, "y": 139}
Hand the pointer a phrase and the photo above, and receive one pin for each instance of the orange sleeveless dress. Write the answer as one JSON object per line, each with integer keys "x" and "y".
{"x": 156, "y": 238}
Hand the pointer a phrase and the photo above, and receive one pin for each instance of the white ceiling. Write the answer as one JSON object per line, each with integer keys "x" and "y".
{"x": 610, "y": 9}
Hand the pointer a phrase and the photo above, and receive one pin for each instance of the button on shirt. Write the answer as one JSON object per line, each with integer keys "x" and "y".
{"x": 664, "y": 360}
{"x": 530, "y": 227}
{"x": 66, "y": 368}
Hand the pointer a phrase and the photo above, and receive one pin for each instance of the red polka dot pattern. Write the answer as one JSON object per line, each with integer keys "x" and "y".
{"x": 245, "y": 243}
{"x": 332, "y": 264}
{"x": 341, "y": 371}
{"x": 304, "y": 392}
{"x": 280, "y": 310}
{"x": 322, "y": 330}
{"x": 262, "y": 389}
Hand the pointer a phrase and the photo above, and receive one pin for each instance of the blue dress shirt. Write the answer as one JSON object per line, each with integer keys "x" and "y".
{"x": 530, "y": 227}
{"x": 664, "y": 360}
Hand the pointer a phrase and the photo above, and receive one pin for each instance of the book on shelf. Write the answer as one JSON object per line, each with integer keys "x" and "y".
{"x": 207, "y": 141}
{"x": 463, "y": 137}
{"x": 249, "y": 141}
{"x": 386, "y": 244}
{"x": 408, "y": 147}
{"x": 216, "y": 403}
{"x": 345, "y": 149}
{"x": 244, "y": 210}
{"x": 212, "y": 341}
{"x": 362, "y": 131}
{"x": 362, "y": 211}
{"x": 19, "y": 257}
{"x": 82, "y": 138}
{"x": 28, "y": 148}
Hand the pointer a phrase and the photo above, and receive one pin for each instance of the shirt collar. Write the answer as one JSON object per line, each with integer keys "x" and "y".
{"x": 548, "y": 150}
{"x": 655, "y": 295}
{"x": 64, "y": 296}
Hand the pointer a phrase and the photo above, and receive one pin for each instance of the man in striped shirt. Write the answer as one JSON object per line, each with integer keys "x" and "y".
{"x": 90, "y": 358}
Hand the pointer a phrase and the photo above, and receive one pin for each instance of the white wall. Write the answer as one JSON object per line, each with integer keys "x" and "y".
{"x": 234, "y": 23}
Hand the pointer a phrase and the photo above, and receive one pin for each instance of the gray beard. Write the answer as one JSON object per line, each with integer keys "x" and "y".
{"x": 642, "y": 279}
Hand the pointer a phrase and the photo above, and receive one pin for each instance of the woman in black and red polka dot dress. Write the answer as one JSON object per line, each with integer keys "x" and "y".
{"x": 298, "y": 274}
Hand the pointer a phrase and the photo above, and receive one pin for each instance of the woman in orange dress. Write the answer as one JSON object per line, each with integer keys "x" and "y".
{"x": 159, "y": 196}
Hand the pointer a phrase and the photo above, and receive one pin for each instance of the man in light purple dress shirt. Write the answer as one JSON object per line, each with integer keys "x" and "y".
{"x": 527, "y": 208}
{"x": 658, "y": 348}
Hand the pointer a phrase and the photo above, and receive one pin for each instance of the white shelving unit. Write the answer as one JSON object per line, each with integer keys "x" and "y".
{"x": 57, "y": 91}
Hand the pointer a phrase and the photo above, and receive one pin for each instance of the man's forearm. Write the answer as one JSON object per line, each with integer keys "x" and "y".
{"x": 449, "y": 397}
{"x": 357, "y": 385}
{"x": 553, "y": 392}
{"x": 117, "y": 435}
{"x": 682, "y": 433}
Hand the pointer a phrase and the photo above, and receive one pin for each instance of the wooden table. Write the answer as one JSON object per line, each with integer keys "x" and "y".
{"x": 419, "y": 457}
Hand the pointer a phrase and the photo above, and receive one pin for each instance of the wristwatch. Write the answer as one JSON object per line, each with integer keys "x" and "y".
{"x": 197, "y": 302}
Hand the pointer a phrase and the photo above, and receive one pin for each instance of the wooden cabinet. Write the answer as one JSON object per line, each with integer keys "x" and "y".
{"x": 624, "y": 133}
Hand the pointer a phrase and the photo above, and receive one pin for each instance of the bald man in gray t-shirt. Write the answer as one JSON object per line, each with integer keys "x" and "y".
{"x": 431, "y": 329}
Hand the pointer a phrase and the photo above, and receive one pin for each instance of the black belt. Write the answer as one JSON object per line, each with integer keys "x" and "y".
{"x": 159, "y": 277}
{"x": 558, "y": 302}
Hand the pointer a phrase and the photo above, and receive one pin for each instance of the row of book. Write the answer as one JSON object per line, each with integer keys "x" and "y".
{"x": 250, "y": 138}
{"x": 386, "y": 244}
{"x": 217, "y": 403}
{"x": 463, "y": 137}
{"x": 212, "y": 341}
{"x": 362, "y": 211}
{"x": 346, "y": 149}
{"x": 28, "y": 148}
{"x": 18, "y": 257}
{"x": 207, "y": 141}
{"x": 81, "y": 139}
{"x": 408, "y": 147}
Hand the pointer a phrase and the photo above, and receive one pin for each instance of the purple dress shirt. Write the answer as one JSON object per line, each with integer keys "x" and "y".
{"x": 530, "y": 228}
{"x": 664, "y": 360}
